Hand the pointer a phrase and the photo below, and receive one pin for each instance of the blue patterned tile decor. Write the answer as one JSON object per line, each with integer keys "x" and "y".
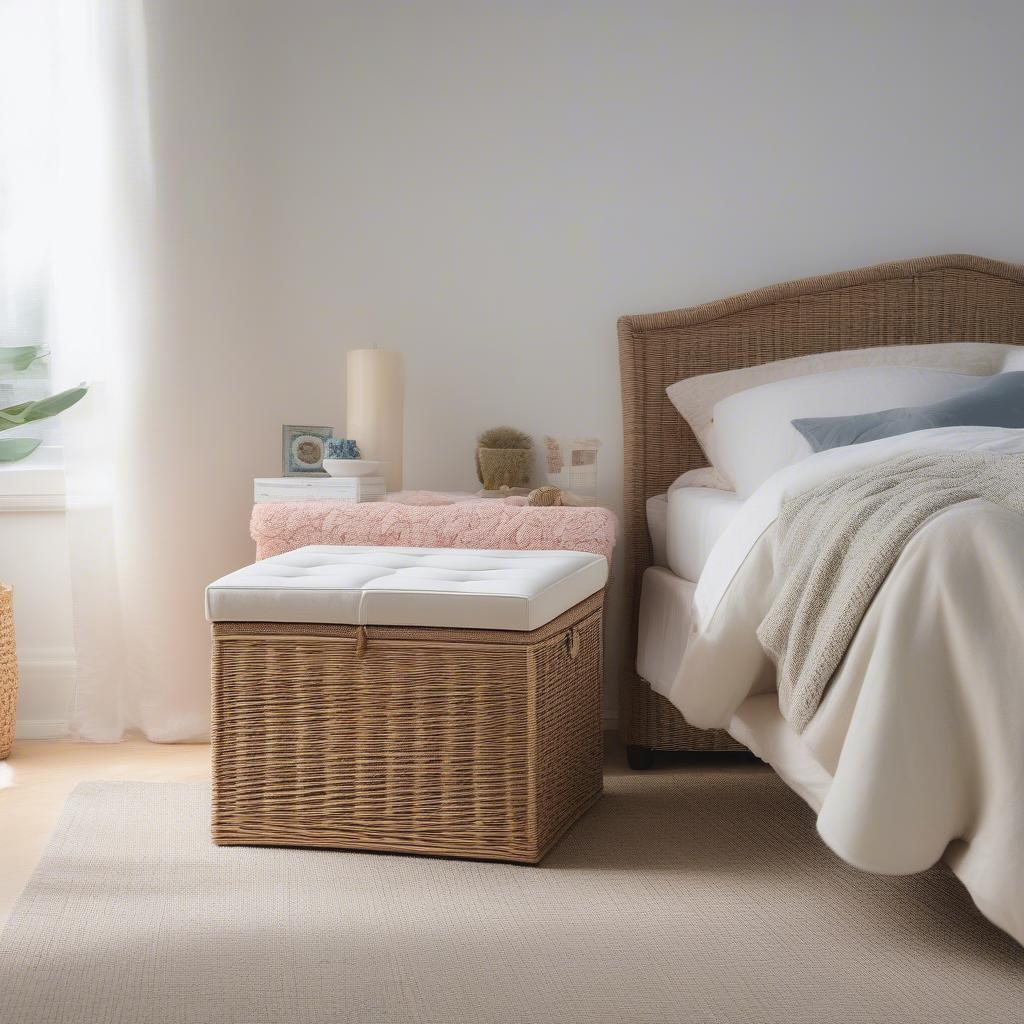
{"x": 342, "y": 448}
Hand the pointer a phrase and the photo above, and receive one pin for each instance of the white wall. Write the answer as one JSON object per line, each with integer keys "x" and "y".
{"x": 487, "y": 186}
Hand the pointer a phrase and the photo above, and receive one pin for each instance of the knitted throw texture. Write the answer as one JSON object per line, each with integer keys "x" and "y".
{"x": 834, "y": 545}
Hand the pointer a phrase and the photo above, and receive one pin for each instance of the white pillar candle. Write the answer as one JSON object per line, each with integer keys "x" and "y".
{"x": 375, "y": 398}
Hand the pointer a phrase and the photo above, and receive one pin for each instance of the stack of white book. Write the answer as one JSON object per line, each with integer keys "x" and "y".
{"x": 318, "y": 488}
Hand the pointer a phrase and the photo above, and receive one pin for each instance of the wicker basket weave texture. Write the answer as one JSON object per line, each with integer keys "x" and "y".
{"x": 468, "y": 743}
{"x": 934, "y": 299}
{"x": 8, "y": 671}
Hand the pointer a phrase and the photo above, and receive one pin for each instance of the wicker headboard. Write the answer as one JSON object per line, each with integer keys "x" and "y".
{"x": 936, "y": 299}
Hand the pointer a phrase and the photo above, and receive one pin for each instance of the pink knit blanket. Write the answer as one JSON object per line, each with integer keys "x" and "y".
{"x": 485, "y": 523}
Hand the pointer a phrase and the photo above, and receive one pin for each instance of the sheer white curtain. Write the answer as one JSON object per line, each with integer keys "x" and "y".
{"x": 131, "y": 599}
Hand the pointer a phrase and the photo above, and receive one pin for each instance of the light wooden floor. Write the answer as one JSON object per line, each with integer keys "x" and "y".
{"x": 38, "y": 776}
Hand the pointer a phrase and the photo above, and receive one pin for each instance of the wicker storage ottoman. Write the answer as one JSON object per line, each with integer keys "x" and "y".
{"x": 418, "y": 700}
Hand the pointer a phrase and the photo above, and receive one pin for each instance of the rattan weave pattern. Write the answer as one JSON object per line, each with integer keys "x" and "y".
{"x": 469, "y": 743}
{"x": 8, "y": 671}
{"x": 929, "y": 300}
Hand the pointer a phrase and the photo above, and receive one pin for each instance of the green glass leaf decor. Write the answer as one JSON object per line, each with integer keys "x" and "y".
{"x": 14, "y": 360}
{"x": 29, "y": 412}
{"x": 14, "y": 448}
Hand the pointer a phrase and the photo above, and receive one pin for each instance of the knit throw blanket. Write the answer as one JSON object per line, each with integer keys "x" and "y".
{"x": 836, "y": 543}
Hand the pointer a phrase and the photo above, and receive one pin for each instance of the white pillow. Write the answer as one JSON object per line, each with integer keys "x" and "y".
{"x": 705, "y": 476}
{"x": 696, "y": 397}
{"x": 1014, "y": 360}
{"x": 754, "y": 436}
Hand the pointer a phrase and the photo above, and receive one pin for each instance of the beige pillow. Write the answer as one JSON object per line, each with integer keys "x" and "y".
{"x": 696, "y": 397}
{"x": 705, "y": 476}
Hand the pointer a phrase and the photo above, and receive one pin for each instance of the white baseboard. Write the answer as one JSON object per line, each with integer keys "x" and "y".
{"x": 41, "y": 730}
{"x": 46, "y": 691}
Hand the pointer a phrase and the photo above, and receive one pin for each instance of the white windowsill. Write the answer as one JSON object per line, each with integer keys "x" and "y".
{"x": 35, "y": 484}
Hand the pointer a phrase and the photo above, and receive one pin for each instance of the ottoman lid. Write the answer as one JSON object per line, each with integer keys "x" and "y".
{"x": 384, "y": 586}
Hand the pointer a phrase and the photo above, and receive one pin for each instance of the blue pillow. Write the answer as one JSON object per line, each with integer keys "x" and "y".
{"x": 998, "y": 402}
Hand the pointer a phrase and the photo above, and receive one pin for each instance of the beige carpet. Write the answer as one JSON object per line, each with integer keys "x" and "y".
{"x": 687, "y": 895}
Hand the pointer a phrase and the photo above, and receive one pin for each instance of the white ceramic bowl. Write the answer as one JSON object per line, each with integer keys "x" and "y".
{"x": 353, "y": 467}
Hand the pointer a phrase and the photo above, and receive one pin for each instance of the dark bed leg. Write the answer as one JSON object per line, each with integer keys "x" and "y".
{"x": 639, "y": 758}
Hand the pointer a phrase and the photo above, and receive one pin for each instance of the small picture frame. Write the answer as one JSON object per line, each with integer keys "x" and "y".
{"x": 303, "y": 449}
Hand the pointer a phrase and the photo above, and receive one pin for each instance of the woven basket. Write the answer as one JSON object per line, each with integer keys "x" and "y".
{"x": 503, "y": 467}
{"x": 8, "y": 671}
{"x": 454, "y": 742}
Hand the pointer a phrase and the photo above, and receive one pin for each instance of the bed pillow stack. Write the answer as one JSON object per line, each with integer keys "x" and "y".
{"x": 754, "y": 436}
{"x": 997, "y": 402}
{"x": 744, "y": 419}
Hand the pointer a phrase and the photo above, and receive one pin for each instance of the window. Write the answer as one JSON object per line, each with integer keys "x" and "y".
{"x": 27, "y": 160}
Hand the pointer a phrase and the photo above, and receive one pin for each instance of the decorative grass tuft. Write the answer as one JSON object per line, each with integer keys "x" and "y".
{"x": 504, "y": 437}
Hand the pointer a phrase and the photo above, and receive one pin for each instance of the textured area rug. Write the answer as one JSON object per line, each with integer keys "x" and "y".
{"x": 693, "y": 895}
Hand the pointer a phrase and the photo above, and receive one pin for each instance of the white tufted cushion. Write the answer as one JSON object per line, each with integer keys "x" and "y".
{"x": 461, "y": 589}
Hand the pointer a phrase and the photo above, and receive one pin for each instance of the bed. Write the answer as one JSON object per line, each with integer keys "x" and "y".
{"x": 672, "y": 593}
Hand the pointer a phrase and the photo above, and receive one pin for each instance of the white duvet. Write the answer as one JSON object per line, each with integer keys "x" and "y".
{"x": 922, "y": 728}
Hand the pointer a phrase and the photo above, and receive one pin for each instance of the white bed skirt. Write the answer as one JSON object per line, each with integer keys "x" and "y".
{"x": 666, "y": 602}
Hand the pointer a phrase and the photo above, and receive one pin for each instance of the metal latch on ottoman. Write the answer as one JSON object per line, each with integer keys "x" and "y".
{"x": 419, "y": 700}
